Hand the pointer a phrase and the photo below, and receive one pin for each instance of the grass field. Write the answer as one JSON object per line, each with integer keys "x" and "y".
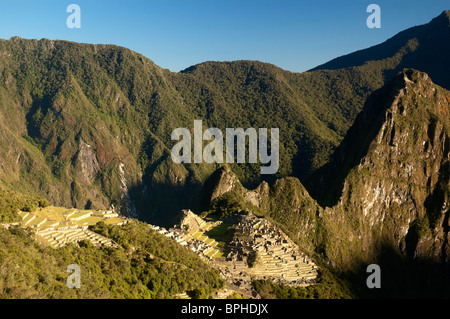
{"x": 56, "y": 215}
{"x": 221, "y": 234}
{"x": 209, "y": 235}
{"x": 53, "y": 213}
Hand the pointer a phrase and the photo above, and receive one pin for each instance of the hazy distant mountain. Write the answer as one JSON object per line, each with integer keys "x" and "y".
{"x": 425, "y": 48}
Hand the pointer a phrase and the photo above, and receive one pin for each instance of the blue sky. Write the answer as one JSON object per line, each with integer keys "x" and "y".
{"x": 175, "y": 34}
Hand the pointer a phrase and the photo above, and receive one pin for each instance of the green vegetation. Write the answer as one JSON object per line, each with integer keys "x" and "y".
{"x": 147, "y": 265}
{"x": 221, "y": 233}
{"x": 228, "y": 204}
{"x": 125, "y": 107}
{"x": 12, "y": 202}
{"x": 251, "y": 260}
{"x": 78, "y": 120}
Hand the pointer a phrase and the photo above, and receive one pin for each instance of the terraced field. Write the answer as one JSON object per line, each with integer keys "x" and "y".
{"x": 60, "y": 237}
{"x": 58, "y": 226}
{"x": 200, "y": 234}
{"x": 283, "y": 266}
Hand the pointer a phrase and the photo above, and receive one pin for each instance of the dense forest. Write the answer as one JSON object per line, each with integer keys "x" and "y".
{"x": 147, "y": 265}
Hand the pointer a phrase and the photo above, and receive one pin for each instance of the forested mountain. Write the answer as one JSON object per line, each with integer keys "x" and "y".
{"x": 364, "y": 156}
{"x": 422, "y": 47}
{"x": 90, "y": 125}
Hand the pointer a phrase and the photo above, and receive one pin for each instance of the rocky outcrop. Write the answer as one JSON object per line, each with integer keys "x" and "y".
{"x": 391, "y": 189}
{"x": 286, "y": 202}
{"x": 227, "y": 181}
{"x": 222, "y": 181}
{"x": 88, "y": 162}
{"x": 189, "y": 221}
{"x": 389, "y": 178}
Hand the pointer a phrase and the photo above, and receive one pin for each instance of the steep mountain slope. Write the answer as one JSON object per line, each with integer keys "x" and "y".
{"x": 412, "y": 48}
{"x": 394, "y": 207}
{"x": 396, "y": 161}
{"x": 391, "y": 178}
{"x": 90, "y": 125}
{"x": 312, "y": 110}
{"x": 76, "y": 121}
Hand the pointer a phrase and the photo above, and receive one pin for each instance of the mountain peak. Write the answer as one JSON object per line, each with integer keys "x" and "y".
{"x": 408, "y": 101}
{"x": 412, "y": 76}
{"x": 446, "y": 14}
{"x": 411, "y": 48}
{"x": 442, "y": 20}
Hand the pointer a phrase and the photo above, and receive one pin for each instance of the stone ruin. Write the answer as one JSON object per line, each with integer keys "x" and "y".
{"x": 190, "y": 221}
{"x": 278, "y": 258}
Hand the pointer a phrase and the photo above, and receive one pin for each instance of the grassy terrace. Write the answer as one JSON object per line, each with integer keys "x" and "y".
{"x": 221, "y": 234}
{"x": 209, "y": 235}
{"x": 51, "y": 223}
{"x": 79, "y": 213}
{"x": 55, "y": 215}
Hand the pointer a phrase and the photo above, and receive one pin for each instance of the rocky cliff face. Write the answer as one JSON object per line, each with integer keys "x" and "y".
{"x": 390, "y": 174}
{"x": 398, "y": 191}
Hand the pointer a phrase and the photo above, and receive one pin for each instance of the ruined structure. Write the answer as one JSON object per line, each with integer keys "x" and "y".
{"x": 269, "y": 253}
{"x": 258, "y": 250}
{"x": 57, "y": 227}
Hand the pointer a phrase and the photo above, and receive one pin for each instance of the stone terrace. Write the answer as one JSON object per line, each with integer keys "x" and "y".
{"x": 57, "y": 226}
{"x": 277, "y": 257}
